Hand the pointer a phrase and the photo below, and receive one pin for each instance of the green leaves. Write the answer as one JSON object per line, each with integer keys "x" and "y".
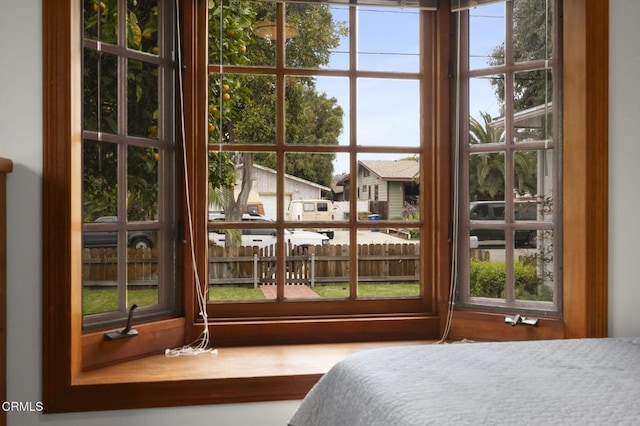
{"x": 134, "y": 33}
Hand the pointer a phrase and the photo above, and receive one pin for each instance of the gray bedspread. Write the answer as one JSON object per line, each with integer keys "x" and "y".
{"x": 554, "y": 382}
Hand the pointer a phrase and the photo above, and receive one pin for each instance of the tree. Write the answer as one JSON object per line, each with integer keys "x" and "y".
{"x": 100, "y": 111}
{"x": 487, "y": 170}
{"x": 532, "y": 40}
{"x": 242, "y": 107}
{"x": 316, "y": 119}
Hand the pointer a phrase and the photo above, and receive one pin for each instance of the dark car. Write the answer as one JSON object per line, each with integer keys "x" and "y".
{"x": 494, "y": 210}
{"x": 135, "y": 238}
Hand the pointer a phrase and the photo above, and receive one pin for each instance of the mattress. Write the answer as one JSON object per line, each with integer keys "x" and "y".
{"x": 573, "y": 381}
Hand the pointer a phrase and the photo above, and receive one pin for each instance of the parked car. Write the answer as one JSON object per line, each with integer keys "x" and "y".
{"x": 494, "y": 210}
{"x": 264, "y": 237}
{"x": 135, "y": 238}
{"x": 312, "y": 211}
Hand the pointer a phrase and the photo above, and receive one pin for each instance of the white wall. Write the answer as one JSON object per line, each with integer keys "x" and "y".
{"x": 624, "y": 170}
{"x": 20, "y": 140}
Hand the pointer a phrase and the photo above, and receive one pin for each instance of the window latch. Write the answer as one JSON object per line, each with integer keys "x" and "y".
{"x": 518, "y": 319}
{"x": 126, "y": 332}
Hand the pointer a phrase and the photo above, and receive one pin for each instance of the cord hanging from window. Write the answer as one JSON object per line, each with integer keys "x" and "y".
{"x": 202, "y": 343}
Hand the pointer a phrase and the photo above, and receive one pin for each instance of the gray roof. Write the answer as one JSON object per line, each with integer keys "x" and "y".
{"x": 393, "y": 169}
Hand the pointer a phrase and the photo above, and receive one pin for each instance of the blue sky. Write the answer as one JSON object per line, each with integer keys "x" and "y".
{"x": 388, "y": 110}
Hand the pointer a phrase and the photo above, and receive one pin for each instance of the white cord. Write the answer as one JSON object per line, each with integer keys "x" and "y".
{"x": 201, "y": 344}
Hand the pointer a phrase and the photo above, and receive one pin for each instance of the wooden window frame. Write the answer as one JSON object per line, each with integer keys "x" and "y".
{"x": 585, "y": 129}
{"x": 291, "y": 321}
{"x": 164, "y": 144}
{"x": 507, "y": 148}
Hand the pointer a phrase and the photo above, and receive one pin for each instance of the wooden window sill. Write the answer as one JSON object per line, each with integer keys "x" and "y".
{"x": 234, "y": 375}
{"x": 232, "y": 363}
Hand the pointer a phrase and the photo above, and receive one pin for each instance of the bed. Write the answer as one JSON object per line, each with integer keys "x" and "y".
{"x": 573, "y": 381}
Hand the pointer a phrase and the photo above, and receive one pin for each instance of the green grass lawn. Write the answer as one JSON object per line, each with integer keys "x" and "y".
{"x": 98, "y": 300}
{"x": 370, "y": 290}
{"x": 235, "y": 293}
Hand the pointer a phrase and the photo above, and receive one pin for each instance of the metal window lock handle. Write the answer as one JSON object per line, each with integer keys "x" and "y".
{"x": 126, "y": 332}
{"x": 518, "y": 319}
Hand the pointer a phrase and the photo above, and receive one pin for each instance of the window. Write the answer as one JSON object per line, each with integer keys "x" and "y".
{"x": 68, "y": 352}
{"x": 127, "y": 161}
{"x": 510, "y": 144}
{"x": 297, "y": 95}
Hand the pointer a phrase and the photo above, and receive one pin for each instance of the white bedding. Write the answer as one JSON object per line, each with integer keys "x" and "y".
{"x": 575, "y": 382}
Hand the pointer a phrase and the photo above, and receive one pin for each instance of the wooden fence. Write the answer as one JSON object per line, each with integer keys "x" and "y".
{"x": 252, "y": 266}
{"x": 100, "y": 266}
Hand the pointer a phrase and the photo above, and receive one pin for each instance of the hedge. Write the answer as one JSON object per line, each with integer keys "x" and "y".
{"x": 487, "y": 279}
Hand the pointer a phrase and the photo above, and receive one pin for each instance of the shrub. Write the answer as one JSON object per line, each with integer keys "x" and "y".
{"x": 487, "y": 279}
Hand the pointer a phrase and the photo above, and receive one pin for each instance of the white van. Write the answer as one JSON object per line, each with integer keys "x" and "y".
{"x": 312, "y": 211}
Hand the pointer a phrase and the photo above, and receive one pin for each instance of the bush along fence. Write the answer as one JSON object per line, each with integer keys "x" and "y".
{"x": 315, "y": 265}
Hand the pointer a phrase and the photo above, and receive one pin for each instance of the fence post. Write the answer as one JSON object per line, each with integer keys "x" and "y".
{"x": 255, "y": 270}
{"x": 313, "y": 270}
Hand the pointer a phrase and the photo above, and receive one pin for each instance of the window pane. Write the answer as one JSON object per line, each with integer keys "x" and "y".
{"x": 317, "y": 110}
{"x": 238, "y": 271}
{"x": 533, "y": 183}
{"x": 388, "y": 187}
{"x": 142, "y": 268}
{"x": 100, "y": 92}
{"x": 533, "y": 30}
{"x": 486, "y": 35}
{"x": 142, "y": 26}
{"x": 142, "y": 99}
{"x": 534, "y": 267}
{"x": 486, "y": 107}
{"x": 315, "y": 267}
{"x": 317, "y": 36}
{"x": 533, "y": 112}
{"x": 99, "y": 180}
{"x": 388, "y": 112}
{"x": 487, "y": 272}
{"x": 99, "y": 278}
{"x": 388, "y": 39}
{"x": 388, "y": 263}
{"x": 101, "y": 20}
{"x": 307, "y": 186}
{"x": 234, "y": 36}
{"x": 486, "y": 176}
{"x": 228, "y": 180}
{"x": 244, "y": 107}
{"x": 142, "y": 183}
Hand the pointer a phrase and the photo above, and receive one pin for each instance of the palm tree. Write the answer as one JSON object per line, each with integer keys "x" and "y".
{"x": 487, "y": 170}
